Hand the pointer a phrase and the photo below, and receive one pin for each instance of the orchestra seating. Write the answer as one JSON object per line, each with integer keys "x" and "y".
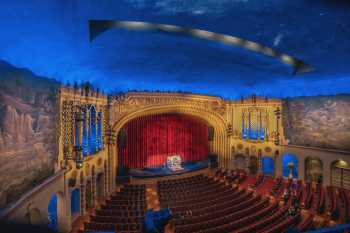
{"x": 122, "y": 213}
{"x": 219, "y": 204}
{"x": 203, "y": 204}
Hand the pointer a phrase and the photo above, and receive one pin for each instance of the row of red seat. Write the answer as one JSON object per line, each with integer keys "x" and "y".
{"x": 203, "y": 207}
{"x": 282, "y": 226}
{"x": 203, "y": 198}
{"x": 220, "y": 198}
{"x": 234, "y": 221}
{"x": 307, "y": 196}
{"x": 333, "y": 206}
{"x": 115, "y": 219}
{"x": 305, "y": 224}
{"x": 262, "y": 223}
{"x": 319, "y": 200}
{"x": 190, "y": 193}
{"x": 187, "y": 180}
{"x": 253, "y": 203}
{"x": 232, "y": 176}
{"x": 121, "y": 213}
{"x": 222, "y": 205}
{"x": 277, "y": 188}
{"x": 344, "y": 196}
{"x": 111, "y": 212}
{"x": 94, "y": 226}
{"x": 200, "y": 185}
{"x": 233, "y": 210}
{"x": 123, "y": 207}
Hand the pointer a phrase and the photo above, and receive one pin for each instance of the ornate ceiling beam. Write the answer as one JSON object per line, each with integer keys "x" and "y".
{"x": 97, "y": 27}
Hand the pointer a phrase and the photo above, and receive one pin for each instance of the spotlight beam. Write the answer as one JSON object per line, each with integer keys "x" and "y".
{"x": 97, "y": 27}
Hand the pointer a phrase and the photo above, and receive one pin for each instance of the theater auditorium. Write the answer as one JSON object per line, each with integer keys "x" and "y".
{"x": 174, "y": 162}
{"x": 175, "y": 116}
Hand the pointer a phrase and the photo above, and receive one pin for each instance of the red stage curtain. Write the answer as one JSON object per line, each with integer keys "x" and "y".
{"x": 151, "y": 139}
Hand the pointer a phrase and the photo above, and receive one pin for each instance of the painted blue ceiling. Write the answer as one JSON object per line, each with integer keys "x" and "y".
{"x": 51, "y": 39}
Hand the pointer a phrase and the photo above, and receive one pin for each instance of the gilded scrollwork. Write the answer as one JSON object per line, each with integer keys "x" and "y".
{"x": 131, "y": 102}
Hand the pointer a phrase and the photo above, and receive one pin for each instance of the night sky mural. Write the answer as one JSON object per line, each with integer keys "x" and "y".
{"x": 50, "y": 38}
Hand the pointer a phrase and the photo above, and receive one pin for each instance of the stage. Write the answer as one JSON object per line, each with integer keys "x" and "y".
{"x": 163, "y": 171}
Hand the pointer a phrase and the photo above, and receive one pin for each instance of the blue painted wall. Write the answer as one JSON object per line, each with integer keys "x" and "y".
{"x": 268, "y": 166}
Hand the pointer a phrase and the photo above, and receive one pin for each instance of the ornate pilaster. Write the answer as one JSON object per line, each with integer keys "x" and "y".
{"x": 112, "y": 160}
{"x": 105, "y": 180}
{"x": 67, "y": 127}
{"x": 278, "y": 164}
{"x": 82, "y": 199}
{"x": 277, "y": 132}
{"x": 93, "y": 188}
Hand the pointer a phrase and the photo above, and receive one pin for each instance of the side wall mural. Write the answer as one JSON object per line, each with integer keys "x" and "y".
{"x": 28, "y": 140}
{"x": 322, "y": 121}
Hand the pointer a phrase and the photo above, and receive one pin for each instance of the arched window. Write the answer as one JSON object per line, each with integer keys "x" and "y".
{"x": 313, "y": 169}
{"x": 52, "y": 212}
{"x": 85, "y": 143}
{"x": 92, "y": 131}
{"x": 290, "y": 165}
{"x": 99, "y": 131}
{"x": 340, "y": 174}
{"x": 254, "y": 124}
{"x": 75, "y": 202}
{"x": 268, "y": 165}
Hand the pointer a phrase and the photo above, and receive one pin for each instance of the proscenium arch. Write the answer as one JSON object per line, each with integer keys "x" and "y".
{"x": 99, "y": 26}
{"x": 219, "y": 144}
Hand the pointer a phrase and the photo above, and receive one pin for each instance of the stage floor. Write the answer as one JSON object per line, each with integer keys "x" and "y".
{"x": 165, "y": 172}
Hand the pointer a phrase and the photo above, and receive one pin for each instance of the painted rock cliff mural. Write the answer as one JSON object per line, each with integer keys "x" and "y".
{"x": 321, "y": 121}
{"x": 28, "y": 108}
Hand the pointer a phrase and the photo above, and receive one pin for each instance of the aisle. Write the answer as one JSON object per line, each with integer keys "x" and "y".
{"x": 152, "y": 197}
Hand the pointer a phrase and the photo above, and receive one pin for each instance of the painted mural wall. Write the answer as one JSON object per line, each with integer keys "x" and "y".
{"x": 28, "y": 145}
{"x": 322, "y": 121}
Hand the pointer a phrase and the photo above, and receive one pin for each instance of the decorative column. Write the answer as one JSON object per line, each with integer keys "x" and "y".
{"x": 277, "y": 134}
{"x": 105, "y": 180}
{"x": 68, "y": 124}
{"x": 78, "y": 148}
{"x": 93, "y": 188}
{"x": 112, "y": 166}
{"x": 326, "y": 172}
{"x": 259, "y": 164}
{"x": 278, "y": 164}
{"x": 247, "y": 165}
{"x": 82, "y": 198}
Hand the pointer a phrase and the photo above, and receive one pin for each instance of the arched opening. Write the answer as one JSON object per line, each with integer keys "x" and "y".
{"x": 100, "y": 183}
{"x": 290, "y": 165}
{"x": 253, "y": 165}
{"x": 75, "y": 202}
{"x": 52, "y": 212}
{"x": 340, "y": 174}
{"x": 147, "y": 141}
{"x": 240, "y": 162}
{"x": 313, "y": 169}
{"x": 268, "y": 166}
{"x": 218, "y": 146}
{"x": 92, "y": 131}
